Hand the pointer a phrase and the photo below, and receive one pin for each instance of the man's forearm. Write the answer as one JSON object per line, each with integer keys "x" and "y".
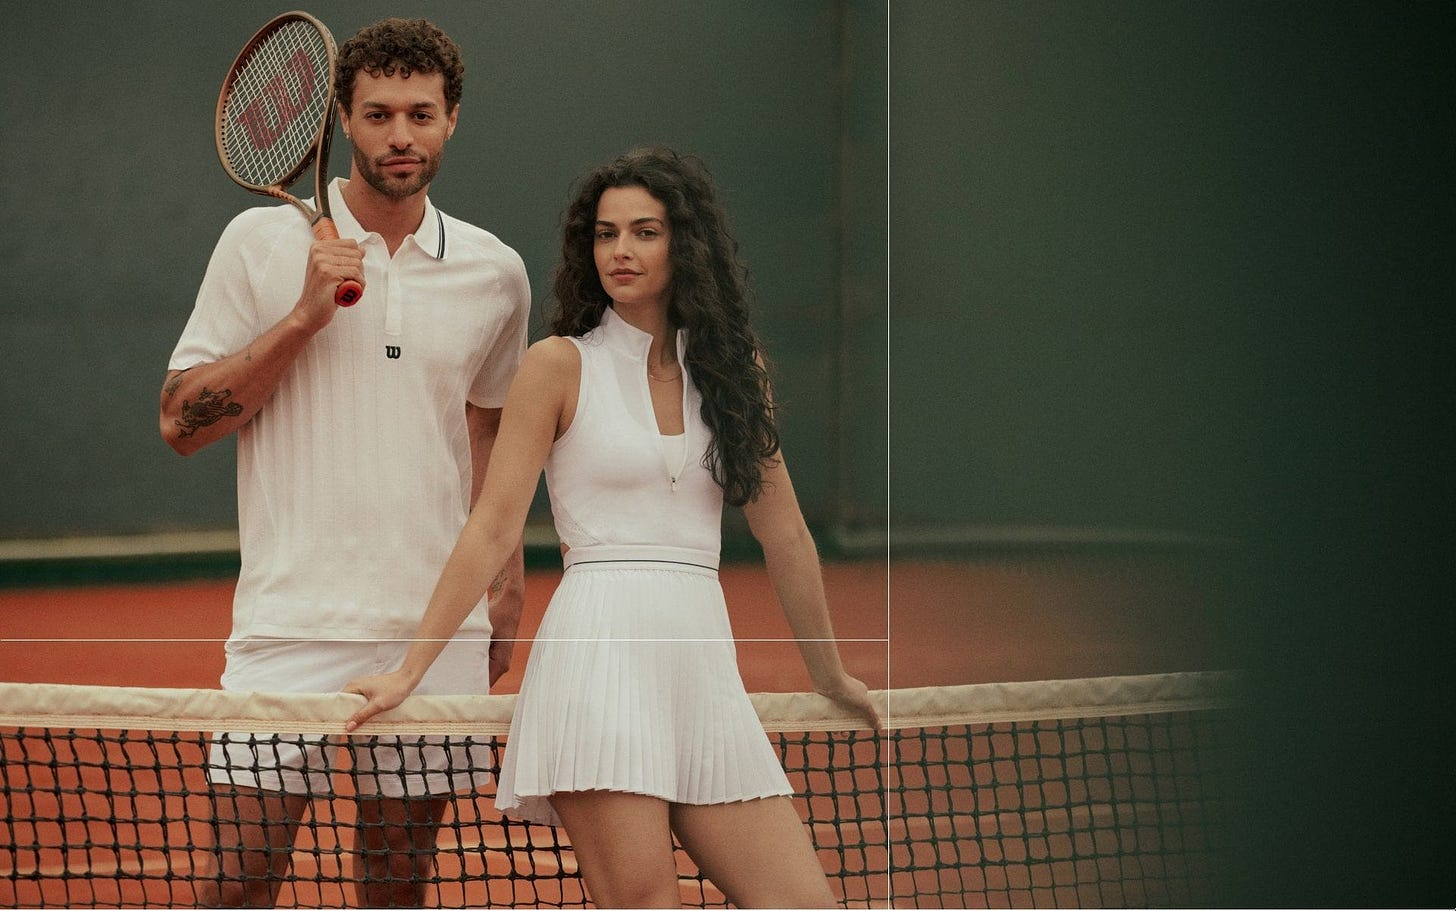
{"x": 507, "y": 595}
{"x": 211, "y": 401}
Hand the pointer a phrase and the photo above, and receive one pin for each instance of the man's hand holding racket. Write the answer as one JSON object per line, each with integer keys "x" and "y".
{"x": 331, "y": 264}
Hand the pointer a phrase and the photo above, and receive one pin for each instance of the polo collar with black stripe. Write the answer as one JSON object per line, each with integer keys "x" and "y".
{"x": 429, "y": 236}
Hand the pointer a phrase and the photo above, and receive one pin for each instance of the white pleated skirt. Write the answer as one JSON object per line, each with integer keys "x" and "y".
{"x": 633, "y": 685}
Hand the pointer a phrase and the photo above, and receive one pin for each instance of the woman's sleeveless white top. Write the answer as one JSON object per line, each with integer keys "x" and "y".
{"x": 615, "y": 482}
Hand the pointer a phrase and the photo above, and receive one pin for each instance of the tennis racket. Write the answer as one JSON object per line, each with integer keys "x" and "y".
{"x": 275, "y": 115}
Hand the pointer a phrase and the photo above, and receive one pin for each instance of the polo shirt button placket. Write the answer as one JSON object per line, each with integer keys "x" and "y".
{"x": 393, "y": 306}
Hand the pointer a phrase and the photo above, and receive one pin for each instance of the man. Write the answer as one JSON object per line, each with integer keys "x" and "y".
{"x": 363, "y": 436}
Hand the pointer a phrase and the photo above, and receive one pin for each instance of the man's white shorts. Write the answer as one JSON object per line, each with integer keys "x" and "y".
{"x": 387, "y": 766}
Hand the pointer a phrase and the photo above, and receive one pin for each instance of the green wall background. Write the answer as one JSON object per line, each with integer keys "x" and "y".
{"x": 1032, "y": 268}
{"x": 1027, "y": 271}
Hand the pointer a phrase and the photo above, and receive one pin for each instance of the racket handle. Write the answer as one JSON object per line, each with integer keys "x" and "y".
{"x": 349, "y": 291}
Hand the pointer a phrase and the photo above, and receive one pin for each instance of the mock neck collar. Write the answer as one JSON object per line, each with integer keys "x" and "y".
{"x": 627, "y": 339}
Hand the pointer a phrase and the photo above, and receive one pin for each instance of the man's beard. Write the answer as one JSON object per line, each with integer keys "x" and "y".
{"x": 393, "y": 187}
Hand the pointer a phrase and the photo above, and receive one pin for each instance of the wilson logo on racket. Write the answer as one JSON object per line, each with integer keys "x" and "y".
{"x": 391, "y": 352}
{"x": 287, "y": 103}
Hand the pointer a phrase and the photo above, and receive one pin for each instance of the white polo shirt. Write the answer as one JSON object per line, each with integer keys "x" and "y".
{"x": 354, "y": 478}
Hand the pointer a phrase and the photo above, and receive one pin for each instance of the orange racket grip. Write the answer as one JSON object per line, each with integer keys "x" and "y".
{"x": 349, "y": 291}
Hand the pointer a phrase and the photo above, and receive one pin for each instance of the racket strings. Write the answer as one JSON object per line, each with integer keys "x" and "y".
{"x": 275, "y": 104}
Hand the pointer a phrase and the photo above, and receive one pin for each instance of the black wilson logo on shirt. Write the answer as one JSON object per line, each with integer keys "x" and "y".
{"x": 391, "y": 352}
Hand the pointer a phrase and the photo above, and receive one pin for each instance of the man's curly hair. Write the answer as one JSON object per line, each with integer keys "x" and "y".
{"x": 401, "y": 46}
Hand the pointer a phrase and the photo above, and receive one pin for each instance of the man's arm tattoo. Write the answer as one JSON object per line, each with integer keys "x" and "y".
{"x": 210, "y": 408}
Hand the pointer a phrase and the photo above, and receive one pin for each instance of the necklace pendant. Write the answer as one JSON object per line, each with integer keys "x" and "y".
{"x": 673, "y": 486}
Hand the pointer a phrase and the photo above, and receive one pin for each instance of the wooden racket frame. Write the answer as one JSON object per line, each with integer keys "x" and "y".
{"x": 320, "y": 219}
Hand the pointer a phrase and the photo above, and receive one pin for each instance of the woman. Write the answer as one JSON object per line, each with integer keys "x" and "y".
{"x": 648, "y": 407}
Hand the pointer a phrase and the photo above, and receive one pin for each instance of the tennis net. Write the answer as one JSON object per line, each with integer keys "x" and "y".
{"x": 1113, "y": 791}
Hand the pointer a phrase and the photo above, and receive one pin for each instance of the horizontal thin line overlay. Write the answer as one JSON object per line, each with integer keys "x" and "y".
{"x": 851, "y": 541}
{"x": 143, "y": 708}
{"x": 788, "y": 639}
{"x": 163, "y": 544}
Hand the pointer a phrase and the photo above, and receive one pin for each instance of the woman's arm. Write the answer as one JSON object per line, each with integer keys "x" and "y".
{"x": 793, "y": 567}
{"x": 529, "y": 425}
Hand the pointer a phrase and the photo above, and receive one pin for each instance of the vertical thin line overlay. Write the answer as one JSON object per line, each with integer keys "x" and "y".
{"x": 887, "y": 742}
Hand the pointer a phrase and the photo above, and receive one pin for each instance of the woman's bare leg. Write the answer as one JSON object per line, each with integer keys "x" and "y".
{"x": 757, "y": 851}
{"x": 623, "y": 845}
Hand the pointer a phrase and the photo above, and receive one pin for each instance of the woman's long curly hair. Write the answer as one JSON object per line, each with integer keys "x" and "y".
{"x": 709, "y": 300}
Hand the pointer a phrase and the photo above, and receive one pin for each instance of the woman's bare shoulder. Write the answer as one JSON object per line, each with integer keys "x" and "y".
{"x": 552, "y": 355}
{"x": 551, "y": 364}
{"x": 554, "y": 348}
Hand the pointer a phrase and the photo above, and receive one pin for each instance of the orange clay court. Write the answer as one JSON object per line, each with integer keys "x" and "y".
{"x": 1008, "y": 616}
